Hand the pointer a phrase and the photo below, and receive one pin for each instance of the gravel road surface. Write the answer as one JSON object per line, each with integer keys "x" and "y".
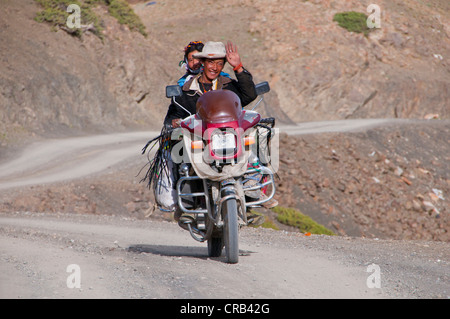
{"x": 123, "y": 258}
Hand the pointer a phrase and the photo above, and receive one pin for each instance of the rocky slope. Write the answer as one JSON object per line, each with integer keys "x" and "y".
{"x": 317, "y": 69}
{"x": 390, "y": 182}
{"x": 52, "y": 83}
{"x": 325, "y": 72}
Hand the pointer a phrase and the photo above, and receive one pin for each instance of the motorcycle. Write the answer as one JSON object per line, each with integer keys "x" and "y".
{"x": 220, "y": 160}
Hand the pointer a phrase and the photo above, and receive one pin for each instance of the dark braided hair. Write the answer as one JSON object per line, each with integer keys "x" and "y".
{"x": 192, "y": 46}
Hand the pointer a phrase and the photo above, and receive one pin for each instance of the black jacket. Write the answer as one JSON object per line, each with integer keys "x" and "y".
{"x": 244, "y": 87}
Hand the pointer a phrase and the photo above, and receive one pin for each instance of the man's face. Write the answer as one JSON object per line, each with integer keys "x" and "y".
{"x": 212, "y": 68}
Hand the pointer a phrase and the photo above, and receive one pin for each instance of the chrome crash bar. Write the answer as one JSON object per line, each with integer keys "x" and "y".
{"x": 271, "y": 181}
{"x": 258, "y": 186}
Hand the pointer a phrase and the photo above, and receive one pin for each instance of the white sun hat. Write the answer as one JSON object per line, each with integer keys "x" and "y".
{"x": 212, "y": 50}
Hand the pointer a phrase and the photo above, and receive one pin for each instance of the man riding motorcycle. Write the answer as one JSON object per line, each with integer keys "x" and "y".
{"x": 208, "y": 172}
{"x": 213, "y": 56}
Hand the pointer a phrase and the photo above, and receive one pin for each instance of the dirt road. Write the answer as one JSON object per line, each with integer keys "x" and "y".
{"x": 126, "y": 259}
{"x": 120, "y": 257}
{"x": 65, "y": 159}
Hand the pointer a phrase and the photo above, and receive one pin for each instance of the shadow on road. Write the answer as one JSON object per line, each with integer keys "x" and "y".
{"x": 178, "y": 251}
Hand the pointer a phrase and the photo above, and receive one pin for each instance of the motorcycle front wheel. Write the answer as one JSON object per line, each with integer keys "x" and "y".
{"x": 231, "y": 231}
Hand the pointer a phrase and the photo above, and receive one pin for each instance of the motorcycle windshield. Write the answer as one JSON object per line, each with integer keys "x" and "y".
{"x": 219, "y": 106}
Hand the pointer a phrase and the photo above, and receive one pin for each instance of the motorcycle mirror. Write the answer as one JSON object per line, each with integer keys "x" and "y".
{"x": 262, "y": 88}
{"x": 173, "y": 91}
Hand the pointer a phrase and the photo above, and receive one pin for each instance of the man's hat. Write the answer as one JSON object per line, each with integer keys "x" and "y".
{"x": 212, "y": 50}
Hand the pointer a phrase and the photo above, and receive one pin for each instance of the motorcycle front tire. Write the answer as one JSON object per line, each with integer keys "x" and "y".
{"x": 231, "y": 231}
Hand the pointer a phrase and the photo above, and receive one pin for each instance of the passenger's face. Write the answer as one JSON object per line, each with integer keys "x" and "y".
{"x": 193, "y": 63}
{"x": 212, "y": 68}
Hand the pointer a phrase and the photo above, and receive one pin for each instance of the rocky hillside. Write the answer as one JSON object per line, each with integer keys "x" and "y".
{"x": 322, "y": 71}
{"x": 52, "y": 83}
{"x": 317, "y": 69}
{"x": 390, "y": 182}
{"x": 55, "y": 84}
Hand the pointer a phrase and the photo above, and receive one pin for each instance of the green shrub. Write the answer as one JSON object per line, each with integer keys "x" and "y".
{"x": 352, "y": 21}
{"x": 120, "y": 10}
{"x": 305, "y": 224}
{"x": 55, "y": 13}
{"x": 270, "y": 225}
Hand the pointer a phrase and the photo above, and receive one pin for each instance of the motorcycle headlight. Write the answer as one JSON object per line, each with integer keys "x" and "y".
{"x": 223, "y": 143}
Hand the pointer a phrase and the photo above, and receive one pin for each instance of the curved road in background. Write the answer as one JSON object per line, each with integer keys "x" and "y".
{"x": 58, "y": 160}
